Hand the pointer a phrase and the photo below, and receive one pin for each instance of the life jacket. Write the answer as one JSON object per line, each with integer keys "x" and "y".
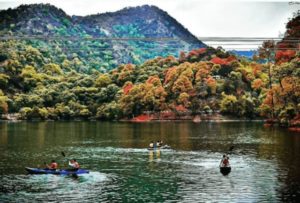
{"x": 54, "y": 165}
{"x": 225, "y": 162}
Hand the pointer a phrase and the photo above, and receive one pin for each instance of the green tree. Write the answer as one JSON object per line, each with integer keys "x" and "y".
{"x": 103, "y": 80}
{"x": 3, "y": 103}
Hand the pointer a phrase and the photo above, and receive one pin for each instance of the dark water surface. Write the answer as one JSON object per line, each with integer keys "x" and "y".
{"x": 265, "y": 162}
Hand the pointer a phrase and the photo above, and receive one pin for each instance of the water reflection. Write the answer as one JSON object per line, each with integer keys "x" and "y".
{"x": 154, "y": 154}
{"x": 3, "y": 135}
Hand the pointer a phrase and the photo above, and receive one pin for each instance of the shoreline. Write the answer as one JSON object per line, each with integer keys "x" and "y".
{"x": 197, "y": 118}
{"x": 130, "y": 121}
{"x": 294, "y": 129}
{"x": 142, "y": 121}
{"x": 214, "y": 118}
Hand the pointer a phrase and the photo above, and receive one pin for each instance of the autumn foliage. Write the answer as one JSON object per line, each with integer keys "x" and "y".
{"x": 201, "y": 81}
{"x": 127, "y": 87}
{"x": 223, "y": 61}
{"x": 284, "y": 56}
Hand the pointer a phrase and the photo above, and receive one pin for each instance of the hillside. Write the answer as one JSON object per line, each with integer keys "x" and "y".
{"x": 287, "y": 48}
{"x": 44, "y": 79}
{"x": 147, "y": 21}
{"x": 200, "y": 82}
{"x": 136, "y": 22}
{"x": 35, "y": 19}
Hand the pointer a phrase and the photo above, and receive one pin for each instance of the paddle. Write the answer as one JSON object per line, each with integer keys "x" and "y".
{"x": 230, "y": 149}
{"x": 64, "y": 155}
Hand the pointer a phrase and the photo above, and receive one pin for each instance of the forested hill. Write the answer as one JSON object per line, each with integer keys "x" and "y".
{"x": 50, "y": 79}
{"x": 287, "y": 48}
{"x": 146, "y": 21}
{"x": 135, "y": 22}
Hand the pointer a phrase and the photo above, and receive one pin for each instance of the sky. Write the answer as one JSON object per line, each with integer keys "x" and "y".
{"x": 204, "y": 18}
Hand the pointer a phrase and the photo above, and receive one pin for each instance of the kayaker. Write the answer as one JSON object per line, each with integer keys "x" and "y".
{"x": 158, "y": 144}
{"x": 52, "y": 166}
{"x": 161, "y": 143}
{"x": 151, "y": 145}
{"x": 225, "y": 161}
{"x": 74, "y": 164}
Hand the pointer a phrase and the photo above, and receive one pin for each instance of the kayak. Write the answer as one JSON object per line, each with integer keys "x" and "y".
{"x": 166, "y": 147}
{"x": 55, "y": 172}
{"x": 158, "y": 148}
{"x": 153, "y": 148}
{"x": 225, "y": 170}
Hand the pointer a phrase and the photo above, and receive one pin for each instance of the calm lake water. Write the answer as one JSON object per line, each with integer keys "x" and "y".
{"x": 265, "y": 162}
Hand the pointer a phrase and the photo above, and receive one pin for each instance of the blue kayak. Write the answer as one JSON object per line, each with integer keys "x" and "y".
{"x": 56, "y": 172}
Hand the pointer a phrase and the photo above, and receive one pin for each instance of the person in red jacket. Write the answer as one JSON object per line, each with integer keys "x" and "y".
{"x": 52, "y": 166}
{"x": 224, "y": 161}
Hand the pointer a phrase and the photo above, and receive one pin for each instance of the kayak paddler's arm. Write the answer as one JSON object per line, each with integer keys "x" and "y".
{"x": 221, "y": 163}
{"x": 72, "y": 165}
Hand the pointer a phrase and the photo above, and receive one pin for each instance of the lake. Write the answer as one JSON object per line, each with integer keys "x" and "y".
{"x": 265, "y": 162}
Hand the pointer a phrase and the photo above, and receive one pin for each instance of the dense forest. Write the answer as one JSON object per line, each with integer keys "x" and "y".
{"x": 44, "y": 83}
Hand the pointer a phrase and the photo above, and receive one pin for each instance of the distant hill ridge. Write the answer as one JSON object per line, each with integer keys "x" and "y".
{"x": 152, "y": 21}
{"x": 135, "y": 22}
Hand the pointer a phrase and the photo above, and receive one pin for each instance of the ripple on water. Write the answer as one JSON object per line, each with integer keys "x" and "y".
{"x": 246, "y": 182}
{"x": 132, "y": 174}
{"x": 21, "y": 188}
